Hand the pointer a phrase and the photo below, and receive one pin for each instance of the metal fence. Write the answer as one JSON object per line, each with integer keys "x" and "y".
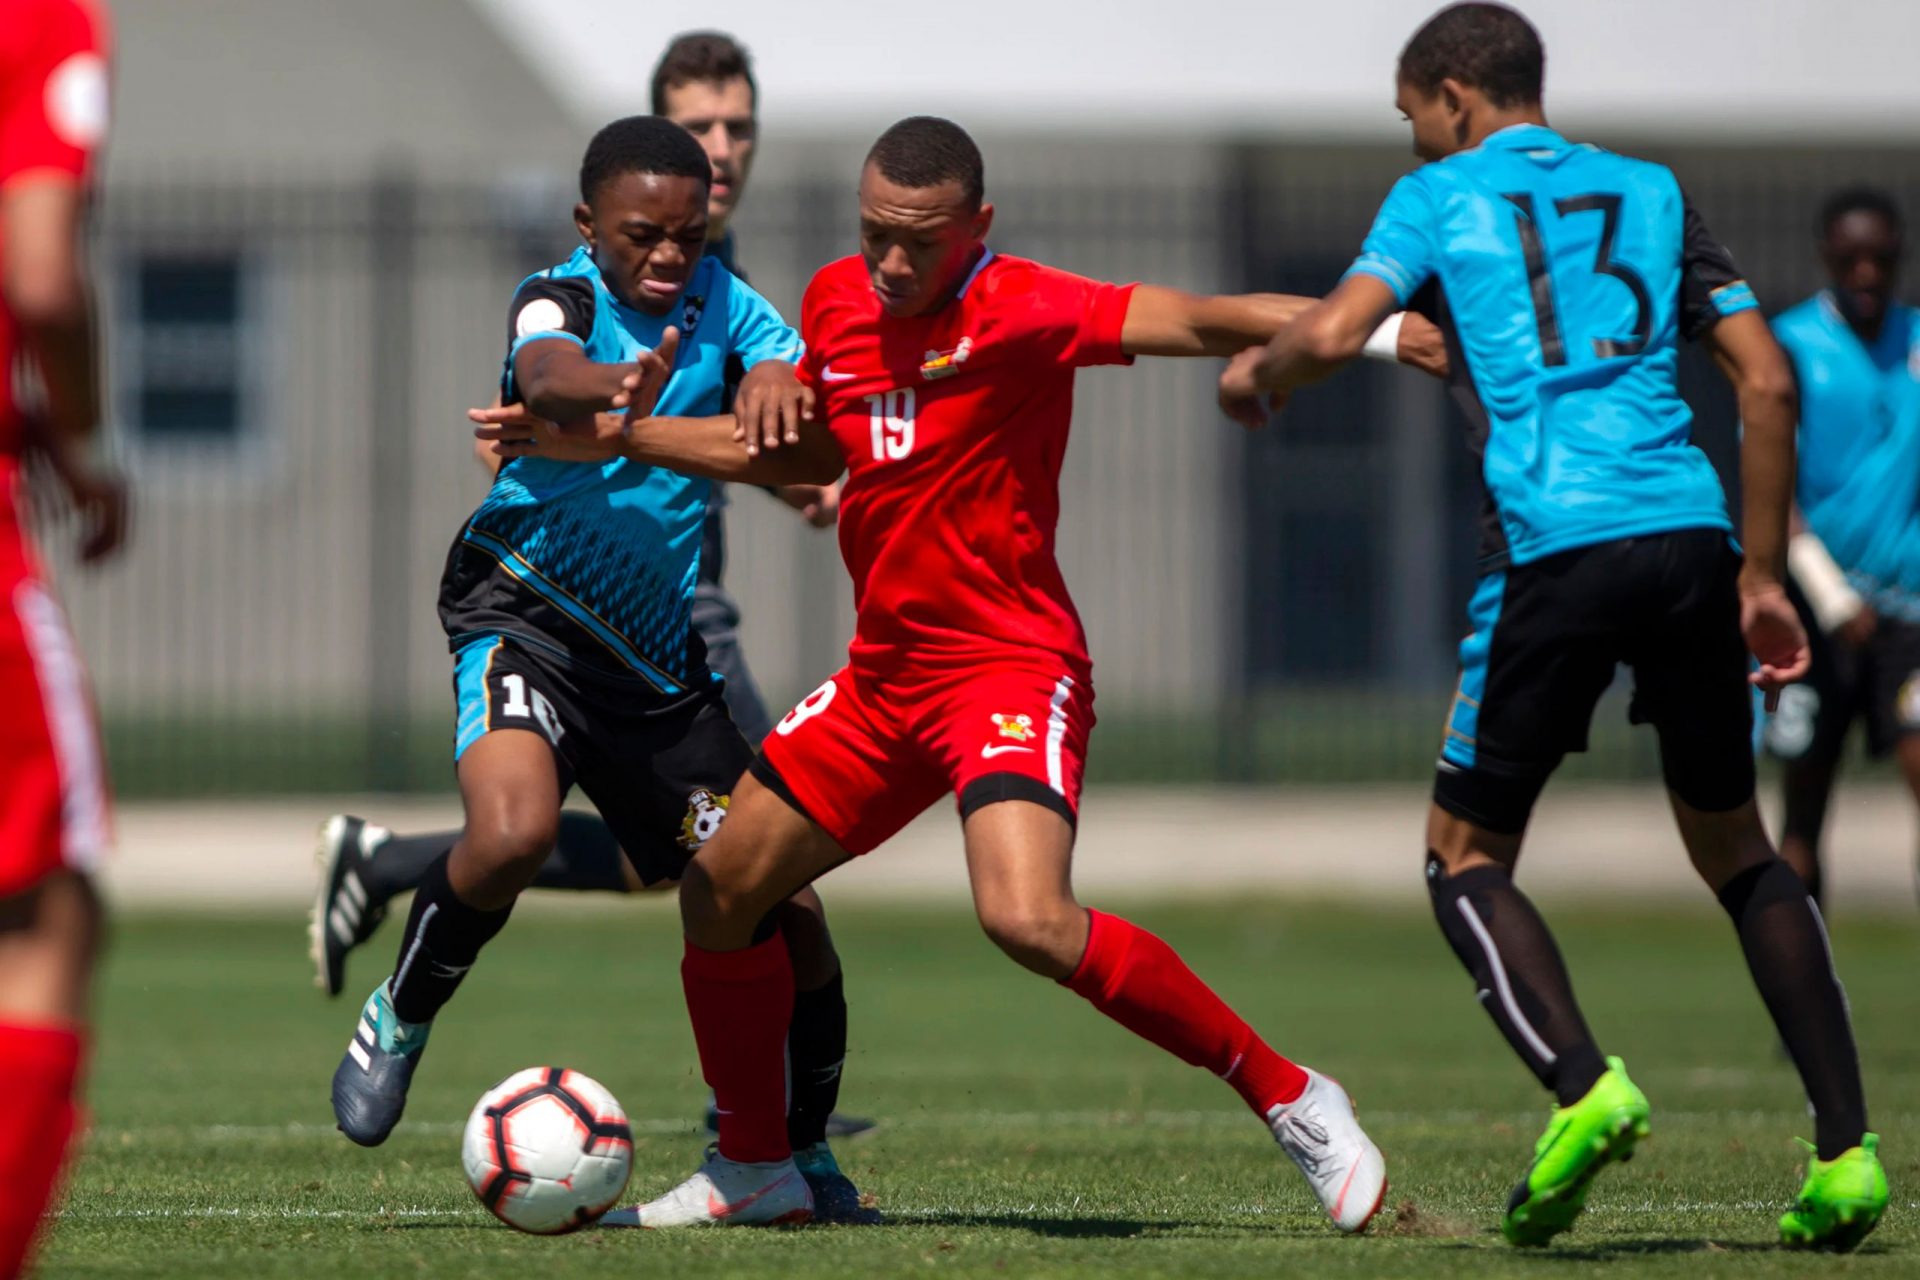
{"x": 290, "y": 360}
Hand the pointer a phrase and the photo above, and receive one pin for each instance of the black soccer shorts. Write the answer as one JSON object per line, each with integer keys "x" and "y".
{"x": 1547, "y": 638}
{"x": 660, "y": 771}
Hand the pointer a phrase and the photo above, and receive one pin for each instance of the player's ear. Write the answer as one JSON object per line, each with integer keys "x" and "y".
{"x": 583, "y": 223}
{"x": 982, "y": 222}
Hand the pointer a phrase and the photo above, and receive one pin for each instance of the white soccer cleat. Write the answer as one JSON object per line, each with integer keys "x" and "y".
{"x": 726, "y": 1193}
{"x": 1318, "y": 1132}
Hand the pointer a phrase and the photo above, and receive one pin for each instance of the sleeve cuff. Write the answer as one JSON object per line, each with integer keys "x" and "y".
{"x": 1730, "y": 299}
{"x": 1107, "y": 323}
{"x": 1388, "y": 272}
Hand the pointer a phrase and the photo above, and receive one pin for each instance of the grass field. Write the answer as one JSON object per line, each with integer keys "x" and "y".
{"x": 1023, "y": 1134}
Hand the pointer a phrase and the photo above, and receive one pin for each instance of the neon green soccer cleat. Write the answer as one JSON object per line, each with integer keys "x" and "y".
{"x": 1580, "y": 1141}
{"x": 1841, "y": 1202}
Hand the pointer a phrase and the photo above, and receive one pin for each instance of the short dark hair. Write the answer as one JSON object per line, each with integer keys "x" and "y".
{"x": 1488, "y": 46}
{"x": 1858, "y": 200}
{"x": 702, "y": 56}
{"x": 925, "y": 151}
{"x": 641, "y": 144}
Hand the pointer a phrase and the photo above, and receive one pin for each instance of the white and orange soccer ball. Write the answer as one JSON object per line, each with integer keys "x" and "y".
{"x": 547, "y": 1150}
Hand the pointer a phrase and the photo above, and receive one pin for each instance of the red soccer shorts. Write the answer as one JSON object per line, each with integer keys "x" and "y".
{"x": 864, "y": 754}
{"x": 54, "y": 811}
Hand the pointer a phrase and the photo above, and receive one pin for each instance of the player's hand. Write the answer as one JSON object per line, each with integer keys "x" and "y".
{"x": 1241, "y": 396}
{"x": 97, "y": 494}
{"x": 510, "y": 432}
{"x": 770, "y": 406}
{"x": 1859, "y": 629}
{"x": 1775, "y": 637}
{"x": 640, "y": 391}
{"x": 101, "y": 501}
{"x": 1422, "y": 346}
{"x": 818, "y": 503}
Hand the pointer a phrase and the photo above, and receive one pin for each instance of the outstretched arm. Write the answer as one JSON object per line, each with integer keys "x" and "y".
{"x": 1324, "y": 337}
{"x": 558, "y": 382}
{"x": 785, "y": 446}
{"x": 1168, "y": 322}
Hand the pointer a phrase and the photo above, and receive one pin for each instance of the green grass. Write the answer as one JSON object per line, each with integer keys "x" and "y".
{"x": 1023, "y": 1134}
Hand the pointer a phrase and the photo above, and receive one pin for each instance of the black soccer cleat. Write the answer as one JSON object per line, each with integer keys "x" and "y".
{"x": 370, "y": 1085}
{"x": 344, "y": 913}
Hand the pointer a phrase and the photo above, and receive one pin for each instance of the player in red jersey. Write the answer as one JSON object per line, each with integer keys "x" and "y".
{"x": 944, "y": 379}
{"x": 53, "y": 803}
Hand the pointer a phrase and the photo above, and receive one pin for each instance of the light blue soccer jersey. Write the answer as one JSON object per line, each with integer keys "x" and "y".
{"x": 1564, "y": 276}
{"x": 597, "y": 563}
{"x": 1859, "y": 487}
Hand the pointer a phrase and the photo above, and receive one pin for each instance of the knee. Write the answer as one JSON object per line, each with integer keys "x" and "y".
{"x": 1047, "y": 937}
{"x": 1721, "y": 845}
{"x": 514, "y": 836}
{"x": 718, "y": 915}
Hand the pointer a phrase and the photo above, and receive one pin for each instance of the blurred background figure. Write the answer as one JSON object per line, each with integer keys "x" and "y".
{"x": 54, "y": 819}
{"x": 1856, "y": 555}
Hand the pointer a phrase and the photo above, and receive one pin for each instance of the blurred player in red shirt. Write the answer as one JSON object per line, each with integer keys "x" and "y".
{"x": 54, "y": 820}
{"x": 944, "y": 379}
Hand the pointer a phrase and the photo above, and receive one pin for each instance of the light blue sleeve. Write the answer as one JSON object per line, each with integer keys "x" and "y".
{"x": 1400, "y": 249}
{"x": 755, "y": 331}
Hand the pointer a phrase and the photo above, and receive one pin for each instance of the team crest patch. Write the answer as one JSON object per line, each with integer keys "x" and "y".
{"x": 1019, "y": 728}
{"x": 944, "y": 364}
{"x": 690, "y": 314}
{"x": 705, "y": 812}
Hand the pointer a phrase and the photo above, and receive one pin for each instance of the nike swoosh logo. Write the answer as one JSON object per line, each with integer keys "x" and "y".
{"x": 830, "y": 375}
{"x": 989, "y": 752}
{"x": 721, "y": 1209}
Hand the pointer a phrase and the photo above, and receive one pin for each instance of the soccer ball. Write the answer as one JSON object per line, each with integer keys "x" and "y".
{"x": 547, "y": 1150}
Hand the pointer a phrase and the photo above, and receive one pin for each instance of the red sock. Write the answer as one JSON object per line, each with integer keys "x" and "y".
{"x": 38, "y": 1069}
{"x": 741, "y": 1003}
{"x": 1141, "y": 983}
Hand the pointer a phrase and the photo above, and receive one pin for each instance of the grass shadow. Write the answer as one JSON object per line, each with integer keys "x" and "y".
{"x": 1651, "y": 1247}
{"x": 1088, "y": 1228}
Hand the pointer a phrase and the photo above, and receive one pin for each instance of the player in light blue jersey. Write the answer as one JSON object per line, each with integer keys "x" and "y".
{"x": 704, "y": 83}
{"x": 566, "y": 601}
{"x": 1565, "y": 276}
{"x": 1856, "y": 558}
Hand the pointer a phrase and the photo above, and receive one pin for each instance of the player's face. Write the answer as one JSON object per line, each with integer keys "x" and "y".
{"x": 919, "y": 242}
{"x": 646, "y": 232}
{"x": 720, "y": 116}
{"x": 1435, "y": 120}
{"x": 1862, "y": 254}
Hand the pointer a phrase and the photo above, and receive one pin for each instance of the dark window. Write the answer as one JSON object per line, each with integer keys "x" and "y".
{"x": 184, "y": 375}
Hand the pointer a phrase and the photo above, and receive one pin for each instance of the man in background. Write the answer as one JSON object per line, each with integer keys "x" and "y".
{"x": 1855, "y": 556}
{"x": 54, "y": 820}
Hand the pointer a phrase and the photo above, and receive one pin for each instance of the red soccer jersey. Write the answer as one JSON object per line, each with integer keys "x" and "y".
{"x": 53, "y": 115}
{"x": 953, "y": 426}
